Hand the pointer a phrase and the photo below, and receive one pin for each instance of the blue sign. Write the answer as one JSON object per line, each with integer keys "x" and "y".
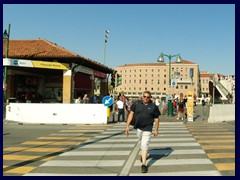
{"x": 107, "y": 101}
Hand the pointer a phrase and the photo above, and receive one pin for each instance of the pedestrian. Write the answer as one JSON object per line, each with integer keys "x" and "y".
{"x": 174, "y": 105}
{"x": 85, "y": 99}
{"x": 128, "y": 105}
{"x": 180, "y": 109}
{"x": 145, "y": 113}
{"x": 185, "y": 100}
{"x": 120, "y": 108}
{"x": 78, "y": 100}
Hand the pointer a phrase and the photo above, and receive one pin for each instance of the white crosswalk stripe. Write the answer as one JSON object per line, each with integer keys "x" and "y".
{"x": 173, "y": 153}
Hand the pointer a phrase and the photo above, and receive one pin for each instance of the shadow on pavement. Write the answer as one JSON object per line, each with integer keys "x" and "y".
{"x": 158, "y": 153}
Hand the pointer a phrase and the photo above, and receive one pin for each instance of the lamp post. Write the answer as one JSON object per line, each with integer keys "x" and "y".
{"x": 105, "y": 42}
{"x": 178, "y": 60}
{"x": 6, "y": 36}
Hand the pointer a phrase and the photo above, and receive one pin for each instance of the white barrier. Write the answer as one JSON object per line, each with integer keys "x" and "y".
{"x": 57, "y": 113}
{"x": 221, "y": 112}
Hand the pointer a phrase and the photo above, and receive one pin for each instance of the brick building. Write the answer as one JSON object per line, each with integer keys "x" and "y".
{"x": 137, "y": 78}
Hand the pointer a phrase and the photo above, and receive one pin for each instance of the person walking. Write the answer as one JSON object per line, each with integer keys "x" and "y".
{"x": 120, "y": 107}
{"x": 128, "y": 105}
{"x": 180, "y": 109}
{"x": 146, "y": 113}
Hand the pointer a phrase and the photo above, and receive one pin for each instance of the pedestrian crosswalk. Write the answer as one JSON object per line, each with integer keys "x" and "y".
{"x": 28, "y": 155}
{"x": 174, "y": 152}
{"x": 218, "y": 143}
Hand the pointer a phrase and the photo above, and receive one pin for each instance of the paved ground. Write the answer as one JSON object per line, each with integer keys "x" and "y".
{"x": 196, "y": 148}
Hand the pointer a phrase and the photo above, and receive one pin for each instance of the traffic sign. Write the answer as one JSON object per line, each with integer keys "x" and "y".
{"x": 173, "y": 83}
{"x": 107, "y": 101}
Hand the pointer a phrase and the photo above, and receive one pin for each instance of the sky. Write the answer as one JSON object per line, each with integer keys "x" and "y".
{"x": 138, "y": 33}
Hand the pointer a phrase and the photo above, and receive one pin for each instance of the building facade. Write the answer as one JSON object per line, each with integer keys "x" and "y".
{"x": 154, "y": 77}
{"x": 41, "y": 71}
{"x": 205, "y": 78}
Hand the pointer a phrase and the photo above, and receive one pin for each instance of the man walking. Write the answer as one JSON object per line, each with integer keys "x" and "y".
{"x": 146, "y": 113}
{"x": 120, "y": 106}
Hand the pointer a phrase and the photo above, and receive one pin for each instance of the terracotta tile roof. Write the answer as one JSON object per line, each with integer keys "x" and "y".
{"x": 156, "y": 64}
{"x": 44, "y": 49}
{"x": 206, "y": 74}
{"x": 144, "y": 64}
{"x": 39, "y": 47}
{"x": 184, "y": 62}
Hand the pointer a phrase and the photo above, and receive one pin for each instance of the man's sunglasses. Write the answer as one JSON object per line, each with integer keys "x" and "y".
{"x": 148, "y": 97}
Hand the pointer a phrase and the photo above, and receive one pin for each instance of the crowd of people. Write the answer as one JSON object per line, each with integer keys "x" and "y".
{"x": 179, "y": 102}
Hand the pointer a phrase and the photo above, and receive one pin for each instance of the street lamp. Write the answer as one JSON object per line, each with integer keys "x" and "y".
{"x": 178, "y": 60}
{"x": 105, "y": 42}
{"x": 6, "y": 36}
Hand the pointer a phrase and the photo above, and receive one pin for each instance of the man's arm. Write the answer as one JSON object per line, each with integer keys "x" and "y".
{"x": 156, "y": 120}
{"x": 130, "y": 117}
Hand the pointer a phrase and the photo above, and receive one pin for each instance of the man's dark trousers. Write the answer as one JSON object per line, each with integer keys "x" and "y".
{"x": 121, "y": 112}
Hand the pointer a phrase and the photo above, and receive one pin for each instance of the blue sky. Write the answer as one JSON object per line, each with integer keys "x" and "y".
{"x": 204, "y": 34}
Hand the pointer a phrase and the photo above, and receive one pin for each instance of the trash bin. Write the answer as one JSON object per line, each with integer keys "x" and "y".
{"x": 170, "y": 108}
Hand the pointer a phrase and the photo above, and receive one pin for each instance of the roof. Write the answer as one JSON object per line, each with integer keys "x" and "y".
{"x": 143, "y": 64}
{"x": 41, "y": 49}
{"x": 156, "y": 64}
{"x": 206, "y": 74}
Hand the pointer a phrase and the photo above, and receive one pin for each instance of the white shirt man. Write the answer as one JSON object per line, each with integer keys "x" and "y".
{"x": 120, "y": 106}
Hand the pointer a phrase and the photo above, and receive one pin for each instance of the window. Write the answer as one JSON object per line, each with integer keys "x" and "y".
{"x": 186, "y": 87}
{"x": 145, "y": 81}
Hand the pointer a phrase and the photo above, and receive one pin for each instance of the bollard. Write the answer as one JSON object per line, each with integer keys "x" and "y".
{"x": 170, "y": 108}
{"x": 108, "y": 112}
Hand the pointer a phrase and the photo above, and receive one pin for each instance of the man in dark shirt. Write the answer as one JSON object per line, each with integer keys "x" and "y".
{"x": 146, "y": 113}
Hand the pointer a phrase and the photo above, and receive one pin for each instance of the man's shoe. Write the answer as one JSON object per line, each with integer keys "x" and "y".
{"x": 144, "y": 169}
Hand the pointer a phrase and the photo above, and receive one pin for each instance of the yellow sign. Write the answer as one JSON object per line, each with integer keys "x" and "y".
{"x": 50, "y": 65}
{"x": 190, "y": 106}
